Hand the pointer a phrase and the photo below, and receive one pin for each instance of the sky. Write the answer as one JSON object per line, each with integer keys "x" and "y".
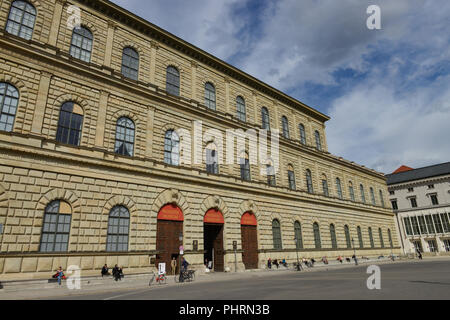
{"x": 386, "y": 91}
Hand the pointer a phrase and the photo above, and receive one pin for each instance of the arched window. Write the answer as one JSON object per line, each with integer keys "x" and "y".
{"x": 381, "y": 198}
{"x": 173, "y": 81}
{"x": 380, "y": 233}
{"x": 130, "y": 63}
{"x": 245, "y": 166}
{"x": 118, "y": 229}
{"x": 56, "y": 227}
{"x": 271, "y": 181}
{"x": 339, "y": 188}
{"x": 298, "y": 235}
{"x": 265, "y": 118}
{"x": 363, "y": 196}
{"x": 172, "y": 148}
{"x": 317, "y": 240}
{"x": 276, "y": 231}
{"x": 372, "y": 196}
{"x": 302, "y": 134}
{"x": 348, "y": 240}
{"x": 212, "y": 159}
{"x": 291, "y": 177}
{"x": 240, "y": 108}
{"x": 360, "y": 238}
{"x": 309, "y": 184}
{"x": 285, "y": 125}
{"x": 390, "y": 238}
{"x": 351, "y": 191}
{"x": 124, "y": 137}
{"x": 81, "y": 46}
{"x": 210, "y": 96}
{"x": 326, "y": 193}
{"x": 372, "y": 243}
{"x": 333, "y": 236}
{"x": 70, "y": 124}
{"x": 9, "y": 99}
{"x": 318, "y": 142}
{"x": 22, "y": 16}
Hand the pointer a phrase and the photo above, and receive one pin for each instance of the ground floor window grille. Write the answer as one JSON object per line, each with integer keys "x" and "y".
{"x": 432, "y": 245}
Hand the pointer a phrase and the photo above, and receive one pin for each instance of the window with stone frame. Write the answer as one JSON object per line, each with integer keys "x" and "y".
{"x": 130, "y": 63}
{"x": 81, "y": 45}
{"x": 118, "y": 229}
{"x": 56, "y": 227}
{"x": 21, "y": 19}
{"x": 9, "y": 100}
{"x": 173, "y": 81}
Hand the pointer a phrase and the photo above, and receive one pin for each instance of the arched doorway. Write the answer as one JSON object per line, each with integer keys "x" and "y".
{"x": 213, "y": 238}
{"x": 169, "y": 228}
{"x": 249, "y": 240}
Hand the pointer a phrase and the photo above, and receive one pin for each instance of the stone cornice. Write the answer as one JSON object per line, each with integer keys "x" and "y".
{"x": 35, "y": 147}
{"x": 123, "y": 16}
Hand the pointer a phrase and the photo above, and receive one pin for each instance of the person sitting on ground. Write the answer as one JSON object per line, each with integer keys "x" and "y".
{"x": 284, "y": 263}
{"x": 59, "y": 275}
{"x": 339, "y": 259}
{"x": 325, "y": 260}
{"x": 313, "y": 261}
{"x": 275, "y": 262}
{"x": 105, "y": 271}
{"x": 347, "y": 259}
{"x": 116, "y": 273}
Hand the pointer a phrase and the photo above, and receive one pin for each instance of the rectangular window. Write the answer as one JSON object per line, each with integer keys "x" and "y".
{"x": 415, "y": 226}
{"x": 408, "y": 226}
{"x": 431, "y": 186}
{"x": 447, "y": 245}
{"x": 413, "y": 202}
{"x": 434, "y": 199}
{"x": 410, "y": 189}
{"x": 394, "y": 204}
{"x": 430, "y": 225}
{"x": 445, "y": 222}
{"x": 437, "y": 223}
{"x": 423, "y": 226}
{"x": 392, "y": 193}
{"x": 432, "y": 245}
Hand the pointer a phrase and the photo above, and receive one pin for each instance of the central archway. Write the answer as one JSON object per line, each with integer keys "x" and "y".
{"x": 169, "y": 228}
{"x": 249, "y": 238}
{"x": 213, "y": 238}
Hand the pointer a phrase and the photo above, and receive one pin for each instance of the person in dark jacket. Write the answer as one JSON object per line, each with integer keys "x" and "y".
{"x": 105, "y": 271}
{"x": 116, "y": 273}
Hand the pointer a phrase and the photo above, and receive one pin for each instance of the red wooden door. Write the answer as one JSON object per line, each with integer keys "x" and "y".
{"x": 249, "y": 247}
{"x": 167, "y": 241}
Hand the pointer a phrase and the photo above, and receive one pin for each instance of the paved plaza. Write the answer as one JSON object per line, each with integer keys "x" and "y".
{"x": 414, "y": 279}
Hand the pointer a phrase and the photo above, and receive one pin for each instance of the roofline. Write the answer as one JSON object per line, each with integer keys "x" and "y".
{"x": 141, "y": 25}
{"x": 423, "y": 178}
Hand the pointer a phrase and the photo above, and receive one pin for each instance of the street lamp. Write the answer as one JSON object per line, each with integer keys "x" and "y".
{"x": 296, "y": 251}
{"x": 354, "y": 252}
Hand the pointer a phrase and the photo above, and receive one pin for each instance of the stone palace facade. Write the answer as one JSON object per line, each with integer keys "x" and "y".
{"x": 92, "y": 168}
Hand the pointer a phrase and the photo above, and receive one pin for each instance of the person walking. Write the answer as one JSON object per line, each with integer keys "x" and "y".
{"x": 419, "y": 254}
{"x": 269, "y": 263}
{"x": 173, "y": 265}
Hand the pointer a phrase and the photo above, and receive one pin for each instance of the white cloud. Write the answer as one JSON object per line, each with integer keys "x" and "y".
{"x": 373, "y": 126}
{"x": 210, "y": 25}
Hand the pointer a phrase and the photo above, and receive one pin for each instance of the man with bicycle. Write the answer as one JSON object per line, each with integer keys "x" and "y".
{"x": 184, "y": 267}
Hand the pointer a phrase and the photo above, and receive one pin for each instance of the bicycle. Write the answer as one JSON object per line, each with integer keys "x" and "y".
{"x": 160, "y": 279}
{"x": 185, "y": 276}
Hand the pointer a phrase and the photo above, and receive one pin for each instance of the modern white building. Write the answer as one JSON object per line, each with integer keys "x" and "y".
{"x": 421, "y": 202}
